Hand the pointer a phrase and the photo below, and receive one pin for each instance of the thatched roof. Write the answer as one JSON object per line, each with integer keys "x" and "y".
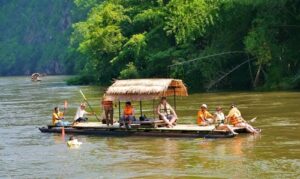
{"x": 143, "y": 89}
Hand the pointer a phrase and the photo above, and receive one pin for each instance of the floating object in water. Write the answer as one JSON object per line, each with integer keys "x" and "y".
{"x": 72, "y": 142}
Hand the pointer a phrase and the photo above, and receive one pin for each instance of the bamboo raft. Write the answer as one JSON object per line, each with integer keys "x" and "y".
{"x": 180, "y": 130}
{"x": 141, "y": 90}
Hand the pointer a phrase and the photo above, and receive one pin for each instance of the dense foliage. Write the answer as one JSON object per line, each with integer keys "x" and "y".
{"x": 210, "y": 44}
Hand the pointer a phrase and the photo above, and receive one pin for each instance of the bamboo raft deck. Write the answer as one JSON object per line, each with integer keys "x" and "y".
{"x": 180, "y": 130}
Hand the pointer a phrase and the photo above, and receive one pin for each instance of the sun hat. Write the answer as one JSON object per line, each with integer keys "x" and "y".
{"x": 204, "y": 106}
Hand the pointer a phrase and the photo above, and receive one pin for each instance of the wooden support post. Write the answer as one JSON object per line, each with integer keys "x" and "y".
{"x": 119, "y": 110}
{"x": 141, "y": 108}
{"x": 153, "y": 109}
{"x": 174, "y": 99}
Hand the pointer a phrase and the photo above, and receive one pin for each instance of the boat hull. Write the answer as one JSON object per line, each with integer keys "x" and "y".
{"x": 121, "y": 132}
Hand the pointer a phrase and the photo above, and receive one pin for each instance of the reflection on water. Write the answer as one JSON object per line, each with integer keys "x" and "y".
{"x": 27, "y": 153}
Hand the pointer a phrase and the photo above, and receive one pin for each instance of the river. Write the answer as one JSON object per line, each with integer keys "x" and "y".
{"x": 25, "y": 152}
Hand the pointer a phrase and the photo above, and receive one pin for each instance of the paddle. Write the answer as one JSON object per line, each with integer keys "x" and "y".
{"x": 253, "y": 119}
{"x": 249, "y": 121}
{"x": 89, "y": 105}
{"x": 63, "y": 128}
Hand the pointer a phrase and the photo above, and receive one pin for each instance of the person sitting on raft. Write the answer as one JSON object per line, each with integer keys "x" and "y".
{"x": 166, "y": 112}
{"x": 57, "y": 118}
{"x": 219, "y": 119}
{"x": 79, "y": 117}
{"x": 204, "y": 118}
{"x": 128, "y": 115}
{"x": 235, "y": 118}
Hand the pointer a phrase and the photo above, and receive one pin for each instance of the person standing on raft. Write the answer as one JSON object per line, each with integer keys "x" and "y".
{"x": 235, "y": 118}
{"x": 166, "y": 112}
{"x": 107, "y": 105}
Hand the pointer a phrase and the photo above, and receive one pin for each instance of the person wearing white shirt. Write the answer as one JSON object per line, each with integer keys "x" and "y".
{"x": 79, "y": 117}
{"x": 219, "y": 118}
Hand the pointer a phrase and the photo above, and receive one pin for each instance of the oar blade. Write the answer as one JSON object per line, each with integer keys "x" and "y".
{"x": 253, "y": 120}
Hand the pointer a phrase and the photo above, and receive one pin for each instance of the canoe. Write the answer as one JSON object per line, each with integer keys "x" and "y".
{"x": 180, "y": 130}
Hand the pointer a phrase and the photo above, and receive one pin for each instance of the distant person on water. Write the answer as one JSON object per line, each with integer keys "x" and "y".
{"x": 58, "y": 117}
{"x": 166, "y": 112}
{"x": 128, "y": 115}
{"x": 219, "y": 119}
{"x": 235, "y": 118}
{"x": 107, "y": 105}
{"x": 79, "y": 117}
{"x": 204, "y": 118}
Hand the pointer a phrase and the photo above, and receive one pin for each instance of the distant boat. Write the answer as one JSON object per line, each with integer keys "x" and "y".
{"x": 35, "y": 77}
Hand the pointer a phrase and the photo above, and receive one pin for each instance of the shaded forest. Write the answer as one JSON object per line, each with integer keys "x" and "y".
{"x": 220, "y": 44}
{"x": 34, "y": 36}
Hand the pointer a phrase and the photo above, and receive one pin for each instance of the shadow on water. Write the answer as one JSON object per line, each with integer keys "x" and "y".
{"x": 27, "y": 153}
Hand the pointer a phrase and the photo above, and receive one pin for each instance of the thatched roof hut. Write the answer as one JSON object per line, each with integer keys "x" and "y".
{"x": 145, "y": 89}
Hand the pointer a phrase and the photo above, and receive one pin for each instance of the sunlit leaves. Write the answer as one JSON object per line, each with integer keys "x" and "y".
{"x": 188, "y": 19}
{"x": 153, "y": 16}
{"x": 129, "y": 72}
{"x": 257, "y": 45}
{"x": 136, "y": 43}
{"x": 101, "y": 32}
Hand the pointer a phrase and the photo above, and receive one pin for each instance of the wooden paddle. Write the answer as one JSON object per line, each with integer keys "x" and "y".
{"x": 253, "y": 119}
{"x": 89, "y": 105}
{"x": 63, "y": 127}
{"x": 250, "y": 121}
{"x": 65, "y": 106}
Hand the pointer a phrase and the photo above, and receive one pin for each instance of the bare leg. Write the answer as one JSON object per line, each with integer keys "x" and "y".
{"x": 111, "y": 113}
{"x": 173, "y": 120}
{"x": 226, "y": 127}
{"x": 248, "y": 127}
{"x": 106, "y": 117}
{"x": 231, "y": 130}
{"x": 164, "y": 118}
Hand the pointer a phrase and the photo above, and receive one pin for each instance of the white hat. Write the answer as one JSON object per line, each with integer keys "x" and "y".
{"x": 204, "y": 106}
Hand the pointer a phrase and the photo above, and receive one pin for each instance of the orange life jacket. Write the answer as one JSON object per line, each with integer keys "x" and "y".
{"x": 234, "y": 116}
{"x": 234, "y": 120}
{"x": 128, "y": 110}
{"x": 202, "y": 116}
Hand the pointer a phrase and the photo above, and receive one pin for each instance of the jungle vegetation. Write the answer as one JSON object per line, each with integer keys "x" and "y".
{"x": 210, "y": 44}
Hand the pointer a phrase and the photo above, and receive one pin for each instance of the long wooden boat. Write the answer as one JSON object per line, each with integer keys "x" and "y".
{"x": 180, "y": 130}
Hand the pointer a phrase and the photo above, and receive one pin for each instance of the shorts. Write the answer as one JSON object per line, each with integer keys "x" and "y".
{"x": 82, "y": 119}
{"x": 168, "y": 117}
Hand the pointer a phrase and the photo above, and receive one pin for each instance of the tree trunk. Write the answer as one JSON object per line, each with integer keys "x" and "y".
{"x": 257, "y": 77}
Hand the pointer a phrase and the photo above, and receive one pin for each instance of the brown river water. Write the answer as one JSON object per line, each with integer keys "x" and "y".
{"x": 25, "y": 152}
